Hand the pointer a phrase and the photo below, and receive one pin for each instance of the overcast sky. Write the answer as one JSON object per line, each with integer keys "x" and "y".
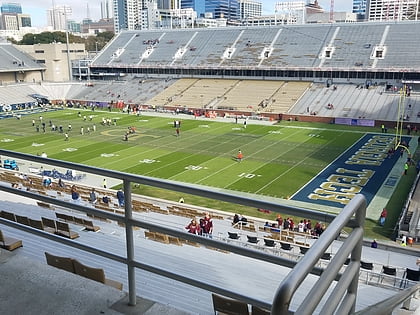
{"x": 37, "y": 8}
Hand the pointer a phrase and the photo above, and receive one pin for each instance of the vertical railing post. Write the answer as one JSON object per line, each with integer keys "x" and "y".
{"x": 129, "y": 235}
{"x": 356, "y": 253}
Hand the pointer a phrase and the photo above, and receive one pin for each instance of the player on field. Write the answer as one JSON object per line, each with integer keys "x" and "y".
{"x": 240, "y": 156}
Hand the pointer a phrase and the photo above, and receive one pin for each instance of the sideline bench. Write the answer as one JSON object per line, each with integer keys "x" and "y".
{"x": 9, "y": 243}
{"x": 74, "y": 266}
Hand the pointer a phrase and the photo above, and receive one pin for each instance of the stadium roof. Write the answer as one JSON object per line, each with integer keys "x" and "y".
{"x": 12, "y": 59}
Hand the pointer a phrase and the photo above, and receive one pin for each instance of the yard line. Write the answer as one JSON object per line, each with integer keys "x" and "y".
{"x": 154, "y": 147}
{"x": 294, "y": 166}
{"x": 228, "y": 166}
{"x": 283, "y": 153}
{"x": 174, "y": 162}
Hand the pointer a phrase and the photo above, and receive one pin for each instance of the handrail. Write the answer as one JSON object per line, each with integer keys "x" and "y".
{"x": 347, "y": 281}
{"x": 353, "y": 244}
{"x": 384, "y": 307}
{"x": 130, "y": 222}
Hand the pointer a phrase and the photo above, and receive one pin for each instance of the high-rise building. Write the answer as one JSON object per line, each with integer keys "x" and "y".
{"x": 106, "y": 10}
{"x": 249, "y": 8}
{"x": 73, "y": 26}
{"x": 198, "y": 6}
{"x": 12, "y": 17}
{"x": 57, "y": 17}
{"x": 392, "y": 10}
{"x": 359, "y": 7}
{"x": 24, "y": 20}
{"x": 11, "y": 8}
{"x": 168, "y": 4}
{"x": 127, "y": 14}
{"x": 228, "y": 9}
{"x": 9, "y": 22}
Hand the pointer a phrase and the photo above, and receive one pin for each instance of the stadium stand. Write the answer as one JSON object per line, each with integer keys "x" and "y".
{"x": 344, "y": 65}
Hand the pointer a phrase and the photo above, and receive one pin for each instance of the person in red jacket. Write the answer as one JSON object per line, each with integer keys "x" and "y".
{"x": 193, "y": 227}
{"x": 240, "y": 156}
{"x": 207, "y": 225}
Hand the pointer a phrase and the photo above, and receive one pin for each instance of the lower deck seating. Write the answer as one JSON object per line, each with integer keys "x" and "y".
{"x": 74, "y": 266}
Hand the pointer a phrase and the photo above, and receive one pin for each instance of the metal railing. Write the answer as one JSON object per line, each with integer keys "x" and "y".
{"x": 343, "y": 296}
{"x": 347, "y": 282}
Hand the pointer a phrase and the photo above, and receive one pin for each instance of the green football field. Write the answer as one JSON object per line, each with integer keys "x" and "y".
{"x": 278, "y": 160}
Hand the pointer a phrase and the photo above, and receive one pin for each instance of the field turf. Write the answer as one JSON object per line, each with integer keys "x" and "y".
{"x": 278, "y": 160}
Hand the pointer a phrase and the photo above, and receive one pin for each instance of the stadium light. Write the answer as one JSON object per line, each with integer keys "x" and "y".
{"x": 67, "y": 11}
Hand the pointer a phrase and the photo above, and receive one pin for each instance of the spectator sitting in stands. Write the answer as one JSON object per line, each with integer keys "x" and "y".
{"x": 120, "y": 197}
{"x": 236, "y": 219}
{"x": 92, "y": 196}
{"x": 279, "y": 220}
{"x": 193, "y": 227}
{"x": 46, "y": 182}
{"x": 61, "y": 183}
{"x": 74, "y": 194}
{"x": 105, "y": 200}
{"x": 274, "y": 228}
{"x": 374, "y": 244}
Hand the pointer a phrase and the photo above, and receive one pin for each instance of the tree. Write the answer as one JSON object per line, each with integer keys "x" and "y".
{"x": 92, "y": 43}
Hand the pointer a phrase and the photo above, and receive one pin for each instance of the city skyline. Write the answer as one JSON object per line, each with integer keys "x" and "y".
{"x": 38, "y": 9}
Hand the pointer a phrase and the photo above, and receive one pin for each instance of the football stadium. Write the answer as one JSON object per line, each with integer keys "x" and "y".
{"x": 185, "y": 168}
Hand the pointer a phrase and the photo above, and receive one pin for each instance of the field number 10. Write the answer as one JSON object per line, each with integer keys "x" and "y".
{"x": 246, "y": 175}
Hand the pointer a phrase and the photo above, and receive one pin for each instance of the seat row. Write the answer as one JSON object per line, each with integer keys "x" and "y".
{"x": 168, "y": 239}
{"x": 45, "y": 224}
{"x": 269, "y": 242}
{"x": 87, "y": 224}
{"x": 74, "y": 266}
{"x": 409, "y": 275}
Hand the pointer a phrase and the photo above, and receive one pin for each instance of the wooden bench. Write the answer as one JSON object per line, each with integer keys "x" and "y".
{"x": 49, "y": 225}
{"x": 22, "y": 219}
{"x": 8, "y": 215}
{"x": 88, "y": 224}
{"x": 9, "y": 243}
{"x": 96, "y": 274}
{"x": 37, "y": 224}
{"x": 63, "y": 229}
{"x": 74, "y": 266}
{"x": 64, "y": 263}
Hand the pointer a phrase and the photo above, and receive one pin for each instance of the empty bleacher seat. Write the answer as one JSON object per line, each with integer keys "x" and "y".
{"x": 252, "y": 239}
{"x": 269, "y": 242}
{"x": 233, "y": 236}
{"x": 228, "y": 306}
{"x": 9, "y": 243}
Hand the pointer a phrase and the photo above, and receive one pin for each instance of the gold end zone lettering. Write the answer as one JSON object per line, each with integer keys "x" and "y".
{"x": 342, "y": 198}
{"x": 352, "y": 161}
{"x": 341, "y": 187}
{"x": 362, "y": 174}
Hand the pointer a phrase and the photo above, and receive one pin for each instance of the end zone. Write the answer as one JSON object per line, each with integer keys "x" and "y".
{"x": 363, "y": 168}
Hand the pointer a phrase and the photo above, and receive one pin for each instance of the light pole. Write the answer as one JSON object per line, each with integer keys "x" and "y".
{"x": 67, "y": 10}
